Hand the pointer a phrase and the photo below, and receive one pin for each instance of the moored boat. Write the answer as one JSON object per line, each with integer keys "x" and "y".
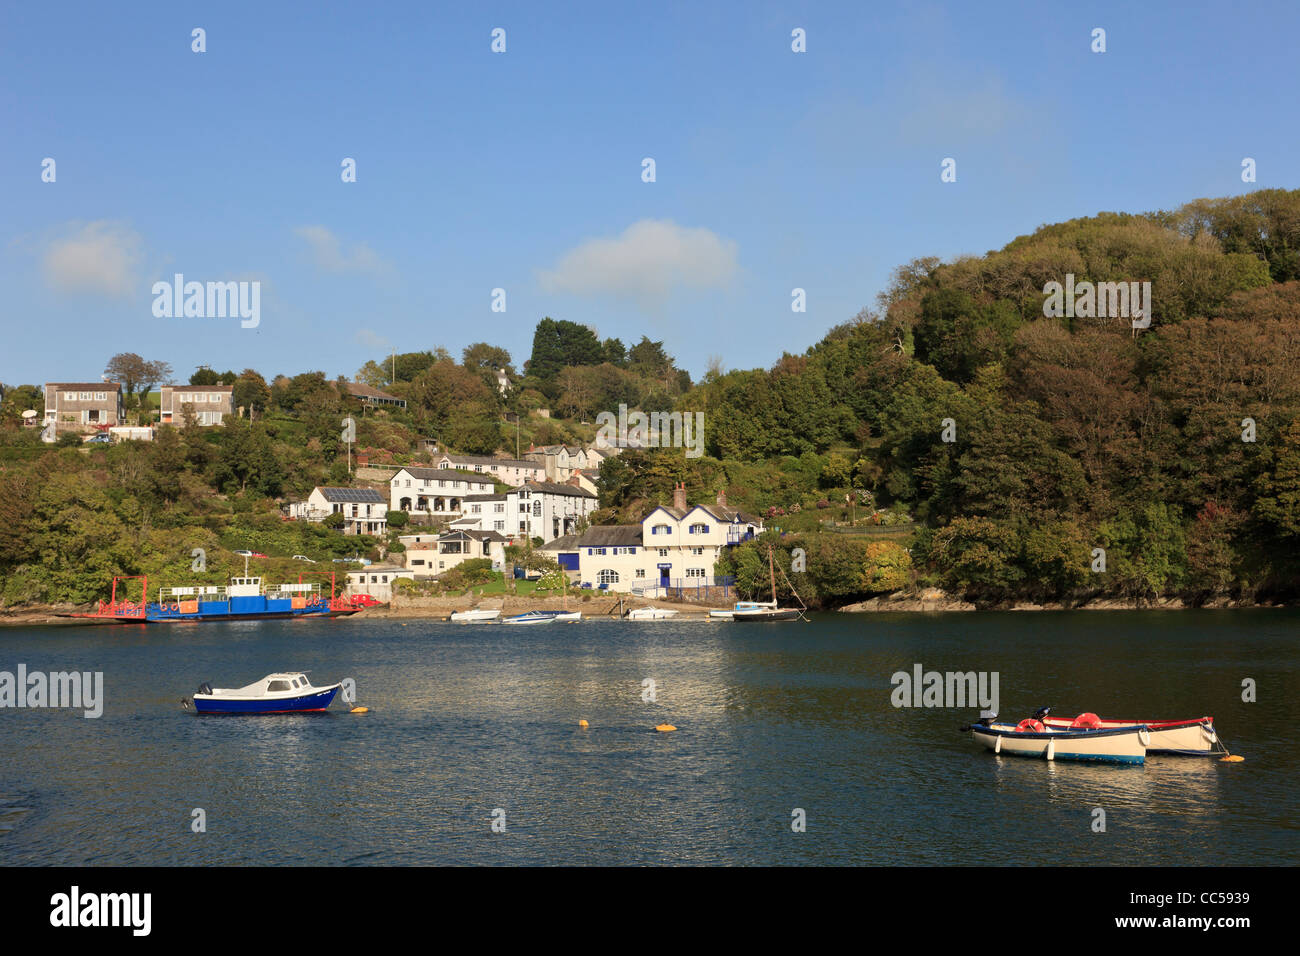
{"x": 286, "y": 693}
{"x": 529, "y": 617}
{"x": 651, "y": 613}
{"x": 1032, "y": 738}
{"x": 477, "y": 615}
{"x": 1192, "y": 738}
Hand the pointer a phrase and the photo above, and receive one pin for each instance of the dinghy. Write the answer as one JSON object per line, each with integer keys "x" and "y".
{"x": 1190, "y": 738}
{"x": 288, "y": 693}
{"x": 1032, "y": 738}
{"x": 476, "y": 615}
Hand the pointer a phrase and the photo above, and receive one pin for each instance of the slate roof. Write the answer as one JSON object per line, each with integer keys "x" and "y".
{"x": 610, "y": 536}
{"x": 366, "y": 496}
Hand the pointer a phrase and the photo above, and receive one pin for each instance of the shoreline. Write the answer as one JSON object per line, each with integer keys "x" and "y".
{"x": 406, "y": 607}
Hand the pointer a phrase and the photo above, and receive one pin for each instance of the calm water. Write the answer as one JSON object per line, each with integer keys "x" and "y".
{"x": 468, "y": 719}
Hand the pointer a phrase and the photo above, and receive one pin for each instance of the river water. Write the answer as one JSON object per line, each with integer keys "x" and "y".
{"x": 471, "y": 726}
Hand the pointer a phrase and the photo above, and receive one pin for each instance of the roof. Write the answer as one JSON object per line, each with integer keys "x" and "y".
{"x": 725, "y": 513}
{"x": 555, "y": 488}
{"x": 568, "y": 542}
{"x": 610, "y": 536}
{"x": 353, "y": 495}
{"x": 199, "y": 388}
{"x": 361, "y": 390}
{"x": 88, "y": 386}
{"x": 484, "y": 498}
{"x": 445, "y": 474}
{"x": 489, "y": 460}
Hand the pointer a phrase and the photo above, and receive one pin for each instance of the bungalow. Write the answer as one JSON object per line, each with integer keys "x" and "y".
{"x": 436, "y": 492}
{"x": 376, "y": 581}
{"x": 82, "y": 407}
{"x": 364, "y": 509}
{"x": 208, "y": 404}
{"x": 372, "y": 397}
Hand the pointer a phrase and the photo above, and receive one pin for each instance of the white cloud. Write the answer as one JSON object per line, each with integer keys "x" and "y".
{"x": 647, "y": 262}
{"x": 371, "y": 339}
{"x": 328, "y": 252}
{"x": 98, "y": 257}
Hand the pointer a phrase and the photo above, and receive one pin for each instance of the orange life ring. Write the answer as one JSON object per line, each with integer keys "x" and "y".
{"x": 1086, "y": 721}
{"x": 1030, "y": 726}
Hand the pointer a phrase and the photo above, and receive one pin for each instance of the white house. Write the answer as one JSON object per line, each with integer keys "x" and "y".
{"x": 483, "y": 513}
{"x": 673, "y": 547}
{"x": 376, "y": 581}
{"x": 509, "y": 471}
{"x": 547, "y": 510}
{"x": 431, "y": 558}
{"x": 364, "y": 509}
{"x": 438, "y": 492}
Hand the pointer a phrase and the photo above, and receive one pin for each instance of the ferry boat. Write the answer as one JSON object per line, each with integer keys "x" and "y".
{"x": 245, "y": 598}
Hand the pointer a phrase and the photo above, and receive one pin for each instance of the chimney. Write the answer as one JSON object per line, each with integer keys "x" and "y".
{"x": 679, "y": 496}
{"x": 722, "y": 499}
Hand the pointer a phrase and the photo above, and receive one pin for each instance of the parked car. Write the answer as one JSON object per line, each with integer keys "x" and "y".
{"x": 244, "y": 554}
{"x": 303, "y": 557}
{"x": 98, "y": 440}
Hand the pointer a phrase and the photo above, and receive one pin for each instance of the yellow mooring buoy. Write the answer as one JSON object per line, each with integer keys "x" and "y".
{"x": 359, "y": 710}
{"x": 665, "y": 728}
{"x": 1232, "y": 758}
{"x": 582, "y": 723}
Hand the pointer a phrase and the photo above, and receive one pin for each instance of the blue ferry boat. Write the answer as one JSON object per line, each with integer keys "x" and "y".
{"x": 243, "y": 599}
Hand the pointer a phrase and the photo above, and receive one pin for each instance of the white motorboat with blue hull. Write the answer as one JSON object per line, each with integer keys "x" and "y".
{"x": 288, "y": 693}
{"x": 543, "y": 617}
{"x": 1031, "y": 738}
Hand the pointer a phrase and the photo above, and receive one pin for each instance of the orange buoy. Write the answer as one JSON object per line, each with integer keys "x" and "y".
{"x": 1232, "y": 758}
{"x": 359, "y": 710}
{"x": 582, "y": 723}
{"x": 665, "y": 728}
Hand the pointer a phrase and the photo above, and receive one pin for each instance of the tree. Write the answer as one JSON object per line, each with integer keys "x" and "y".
{"x": 251, "y": 392}
{"x": 136, "y": 374}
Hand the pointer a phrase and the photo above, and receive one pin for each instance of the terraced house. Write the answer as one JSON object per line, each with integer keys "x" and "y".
{"x": 82, "y": 407}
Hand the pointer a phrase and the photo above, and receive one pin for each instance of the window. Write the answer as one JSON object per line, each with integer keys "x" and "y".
{"x": 101, "y": 396}
{"x": 661, "y": 529}
{"x": 695, "y": 572}
{"x": 640, "y": 572}
{"x": 606, "y": 576}
{"x": 213, "y": 399}
{"x": 537, "y": 508}
{"x": 85, "y": 396}
{"x": 69, "y": 396}
{"x": 697, "y": 551}
{"x": 499, "y": 525}
{"x": 499, "y": 508}
{"x": 663, "y": 552}
{"x": 476, "y": 509}
{"x": 278, "y": 685}
{"x": 699, "y": 529}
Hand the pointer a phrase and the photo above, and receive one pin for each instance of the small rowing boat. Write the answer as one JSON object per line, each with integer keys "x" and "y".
{"x": 1032, "y": 738}
{"x": 288, "y": 693}
{"x": 1190, "y": 738}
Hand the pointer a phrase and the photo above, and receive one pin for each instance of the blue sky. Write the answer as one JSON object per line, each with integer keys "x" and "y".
{"x": 522, "y": 170}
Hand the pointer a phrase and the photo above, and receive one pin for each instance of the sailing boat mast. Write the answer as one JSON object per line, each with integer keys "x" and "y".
{"x": 771, "y": 570}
